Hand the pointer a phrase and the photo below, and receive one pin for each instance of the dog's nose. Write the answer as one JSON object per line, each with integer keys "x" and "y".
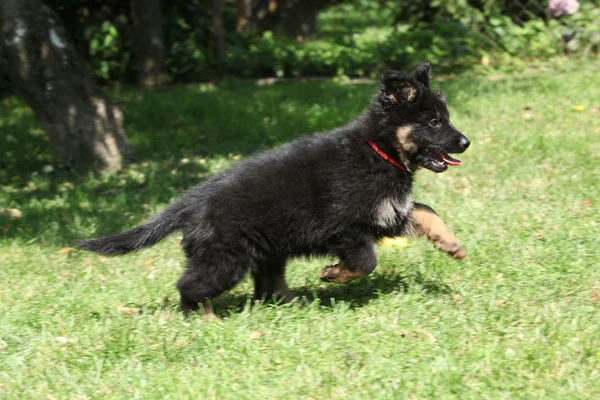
{"x": 464, "y": 142}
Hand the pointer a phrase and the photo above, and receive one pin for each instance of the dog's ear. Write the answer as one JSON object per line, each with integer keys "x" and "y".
{"x": 421, "y": 73}
{"x": 400, "y": 89}
{"x": 440, "y": 95}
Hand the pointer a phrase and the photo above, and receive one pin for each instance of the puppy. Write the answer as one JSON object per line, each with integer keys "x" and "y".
{"x": 332, "y": 193}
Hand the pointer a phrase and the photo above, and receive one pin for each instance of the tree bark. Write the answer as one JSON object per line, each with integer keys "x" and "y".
{"x": 219, "y": 32}
{"x": 242, "y": 17}
{"x": 85, "y": 127}
{"x": 296, "y": 19}
{"x": 149, "y": 47}
{"x": 299, "y": 18}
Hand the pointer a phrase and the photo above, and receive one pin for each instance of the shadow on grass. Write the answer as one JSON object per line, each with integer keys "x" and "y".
{"x": 356, "y": 294}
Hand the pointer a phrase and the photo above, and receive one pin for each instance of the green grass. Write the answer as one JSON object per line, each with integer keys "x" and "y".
{"x": 520, "y": 318}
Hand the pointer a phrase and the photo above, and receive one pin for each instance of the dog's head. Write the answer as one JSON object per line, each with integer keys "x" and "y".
{"x": 419, "y": 120}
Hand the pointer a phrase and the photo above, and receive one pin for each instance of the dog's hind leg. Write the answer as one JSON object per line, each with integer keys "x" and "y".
{"x": 207, "y": 277}
{"x": 423, "y": 221}
{"x": 269, "y": 280}
{"x": 357, "y": 260}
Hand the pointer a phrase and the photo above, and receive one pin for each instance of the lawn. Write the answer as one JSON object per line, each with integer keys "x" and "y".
{"x": 519, "y": 318}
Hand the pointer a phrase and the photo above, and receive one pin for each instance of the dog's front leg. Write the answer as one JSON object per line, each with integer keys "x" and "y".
{"x": 357, "y": 260}
{"x": 423, "y": 221}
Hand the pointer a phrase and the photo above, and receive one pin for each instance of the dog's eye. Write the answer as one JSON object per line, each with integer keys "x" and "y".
{"x": 434, "y": 123}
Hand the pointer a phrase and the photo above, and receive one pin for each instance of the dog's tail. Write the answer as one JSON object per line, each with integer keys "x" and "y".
{"x": 145, "y": 235}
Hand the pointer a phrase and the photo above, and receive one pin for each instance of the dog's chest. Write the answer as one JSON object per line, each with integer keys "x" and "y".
{"x": 392, "y": 209}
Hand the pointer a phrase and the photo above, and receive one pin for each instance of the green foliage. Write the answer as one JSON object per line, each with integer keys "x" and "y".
{"x": 354, "y": 38}
{"x": 517, "y": 319}
{"x": 109, "y": 55}
{"x": 359, "y": 38}
{"x": 187, "y": 59}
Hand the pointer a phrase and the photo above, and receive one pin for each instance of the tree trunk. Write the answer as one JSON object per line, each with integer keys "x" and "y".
{"x": 219, "y": 32}
{"x": 266, "y": 14}
{"x": 85, "y": 127}
{"x": 299, "y": 18}
{"x": 296, "y": 19}
{"x": 149, "y": 55}
{"x": 243, "y": 17}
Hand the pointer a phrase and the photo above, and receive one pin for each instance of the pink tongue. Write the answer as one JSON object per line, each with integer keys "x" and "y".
{"x": 451, "y": 161}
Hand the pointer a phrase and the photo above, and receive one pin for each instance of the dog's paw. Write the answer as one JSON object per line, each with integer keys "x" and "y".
{"x": 211, "y": 317}
{"x": 330, "y": 273}
{"x": 285, "y": 297}
{"x": 452, "y": 248}
{"x": 339, "y": 273}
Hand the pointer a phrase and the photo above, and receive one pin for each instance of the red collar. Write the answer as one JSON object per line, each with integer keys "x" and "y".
{"x": 385, "y": 156}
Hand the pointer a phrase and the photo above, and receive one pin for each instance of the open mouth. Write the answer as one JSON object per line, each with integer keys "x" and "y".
{"x": 443, "y": 159}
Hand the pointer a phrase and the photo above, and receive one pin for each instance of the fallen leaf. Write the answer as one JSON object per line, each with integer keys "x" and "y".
{"x": 586, "y": 203}
{"x": 419, "y": 334}
{"x": 428, "y": 335}
{"x": 220, "y": 351}
{"x": 464, "y": 180}
{"x": 128, "y": 310}
{"x": 102, "y": 278}
{"x": 63, "y": 340}
{"x": 578, "y": 108}
{"x": 66, "y": 250}
{"x": 256, "y": 335}
{"x": 458, "y": 298}
{"x": 501, "y": 303}
{"x": 539, "y": 234}
{"x": 408, "y": 334}
{"x": 595, "y": 299}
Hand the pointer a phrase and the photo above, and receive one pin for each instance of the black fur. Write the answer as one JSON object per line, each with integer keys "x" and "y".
{"x": 317, "y": 195}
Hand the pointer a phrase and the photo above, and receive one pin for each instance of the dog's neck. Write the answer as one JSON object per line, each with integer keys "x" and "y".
{"x": 400, "y": 164}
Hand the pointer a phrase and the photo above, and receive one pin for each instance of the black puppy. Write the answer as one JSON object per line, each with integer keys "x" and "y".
{"x": 335, "y": 193}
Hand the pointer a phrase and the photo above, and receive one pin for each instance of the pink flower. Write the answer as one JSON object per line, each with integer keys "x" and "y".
{"x": 563, "y": 7}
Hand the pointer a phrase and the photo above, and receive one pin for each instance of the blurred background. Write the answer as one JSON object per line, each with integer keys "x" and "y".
{"x": 196, "y": 41}
{"x": 57, "y": 52}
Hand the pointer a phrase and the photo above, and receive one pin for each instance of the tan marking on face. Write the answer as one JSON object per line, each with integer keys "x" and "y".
{"x": 410, "y": 93}
{"x": 391, "y": 208}
{"x": 340, "y": 273}
{"x": 427, "y": 223}
{"x": 404, "y": 140}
